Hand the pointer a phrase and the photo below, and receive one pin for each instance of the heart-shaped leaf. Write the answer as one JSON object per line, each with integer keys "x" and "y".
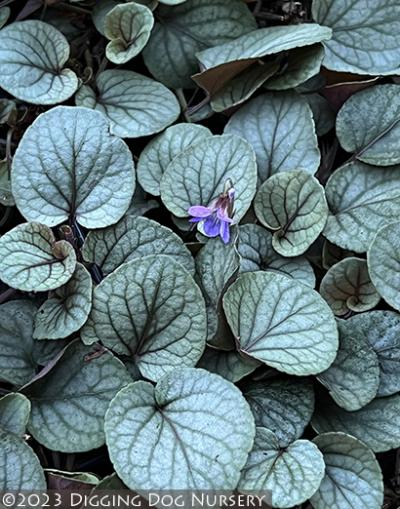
{"x": 103, "y": 7}
{"x": 221, "y": 63}
{"x": 361, "y": 200}
{"x": 161, "y": 150}
{"x": 280, "y": 128}
{"x": 365, "y": 36}
{"x": 133, "y": 237}
{"x": 68, "y": 166}
{"x": 284, "y": 406}
{"x": 293, "y": 205}
{"x": 292, "y": 474}
{"x": 256, "y": 253}
{"x": 196, "y": 421}
{"x": 362, "y": 129}
{"x": 134, "y": 104}
{"x": 353, "y": 378}
{"x": 20, "y": 468}
{"x": 381, "y": 329}
{"x": 377, "y": 424}
{"x": 67, "y": 308}
{"x": 20, "y": 354}
{"x": 151, "y": 310}
{"x": 69, "y": 401}
{"x": 199, "y": 175}
{"x": 183, "y": 30}
{"x": 347, "y": 287}
{"x": 353, "y": 478}
{"x": 383, "y": 263}
{"x": 217, "y": 266}
{"x": 14, "y": 413}
{"x": 128, "y": 27}
{"x": 32, "y": 259}
{"x": 300, "y": 65}
{"x": 228, "y": 364}
{"x": 32, "y": 57}
{"x": 282, "y": 323}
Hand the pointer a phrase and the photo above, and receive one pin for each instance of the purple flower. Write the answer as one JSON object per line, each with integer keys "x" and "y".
{"x": 215, "y": 219}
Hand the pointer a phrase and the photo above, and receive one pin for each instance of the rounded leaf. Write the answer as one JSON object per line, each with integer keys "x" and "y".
{"x": 157, "y": 154}
{"x": 67, "y": 309}
{"x": 362, "y": 199}
{"x": 361, "y": 128}
{"x": 280, "y": 128}
{"x": 20, "y": 468}
{"x": 206, "y": 23}
{"x": 134, "y": 105}
{"x": 32, "y": 57}
{"x": 14, "y": 413}
{"x": 133, "y": 237}
{"x": 20, "y": 354}
{"x": 256, "y": 253}
{"x": 347, "y": 287}
{"x": 377, "y": 424}
{"x": 68, "y": 166}
{"x": 383, "y": 263}
{"x": 353, "y": 378}
{"x": 193, "y": 430}
{"x": 291, "y": 475}
{"x": 365, "y": 35}
{"x": 353, "y": 478}
{"x": 293, "y": 205}
{"x": 284, "y": 406}
{"x": 128, "y": 27}
{"x": 33, "y": 261}
{"x": 151, "y": 310}
{"x": 69, "y": 400}
{"x": 199, "y": 174}
{"x": 282, "y": 323}
{"x": 381, "y": 329}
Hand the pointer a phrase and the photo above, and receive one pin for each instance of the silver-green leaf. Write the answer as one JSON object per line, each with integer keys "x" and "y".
{"x": 133, "y": 237}
{"x": 135, "y": 105}
{"x": 67, "y": 308}
{"x": 14, "y": 413}
{"x": 383, "y": 263}
{"x": 32, "y": 259}
{"x": 69, "y": 401}
{"x": 282, "y": 323}
{"x": 292, "y": 475}
{"x": 363, "y": 129}
{"x": 69, "y": 166}
{"x": 362, "y": 199}
{"x": 353, "y": 378}
{"x": 32, "y": 57}
{"x": 151, "y": 310}
{"x": 353, "y": 478}
{"x": 365, "y": 35}
{"x": 280, "y": 128}
{"x": 284, "y": 406}
{"x": 293, "y": 205}
{"x": 161, "y": 150}
{"x": 256, "y": 253}
{"x": 128, "y": 27}
{"x": 199, "y": 175}
{"x": 193, "y": 430}
{"x": 347, "y": 287}
{"x": 377, "y": 424}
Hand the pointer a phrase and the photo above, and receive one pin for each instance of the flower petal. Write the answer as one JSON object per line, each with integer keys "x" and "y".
{"x": 223, "y": 216}
{"x": 211, "y": 226}
{"x": 200, "y": 211}
{"x": 224, "y": 231}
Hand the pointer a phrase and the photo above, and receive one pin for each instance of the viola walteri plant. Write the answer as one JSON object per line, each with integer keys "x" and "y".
{"x": 200, "y": 248}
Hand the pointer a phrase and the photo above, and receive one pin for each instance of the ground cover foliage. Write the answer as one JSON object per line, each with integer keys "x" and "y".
{"x": 200, "y": 247}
